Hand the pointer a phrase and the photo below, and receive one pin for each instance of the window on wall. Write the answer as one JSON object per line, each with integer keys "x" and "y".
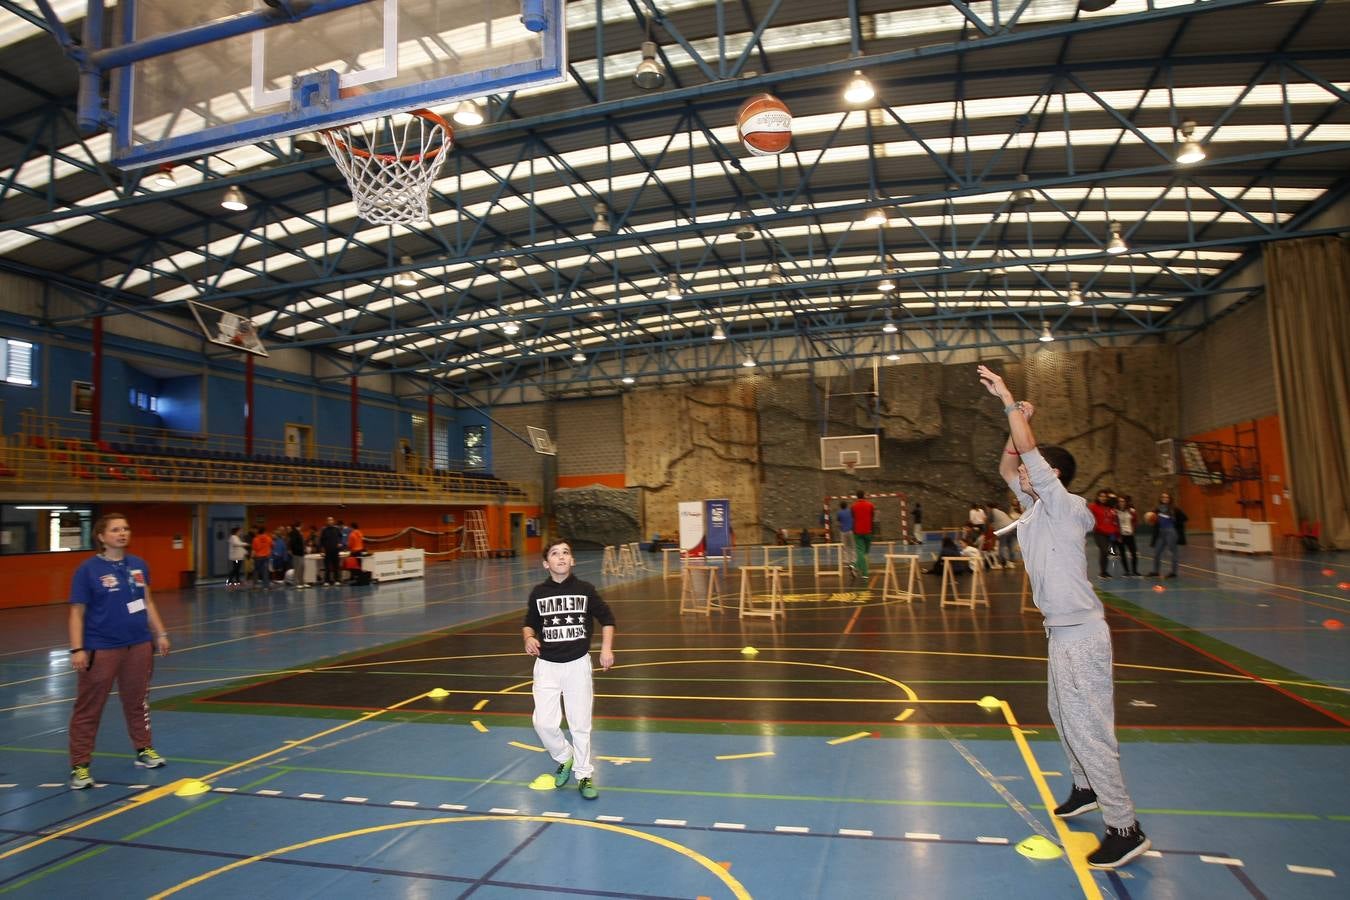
{"x": 441, "y": 450}
{"x": 45, "y": 528}
{"x": 475, "y": 446}
{"x": 16, "y": 362}
{"x": 145, "y": 401}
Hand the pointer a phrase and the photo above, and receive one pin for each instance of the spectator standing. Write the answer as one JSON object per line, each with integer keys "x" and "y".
{"x": 1127, "y": 517}
{"x": 1169, "y": 532}
{"x": 330, "y": 543}
{"x": 864, "y": 526}
{"x": 262, "y": 558}
{"x": 281, "y": 553}
{"x": 295, "y": 542}
{"x": 1105, "y": 529}
{"x": 845, "y": 519}
{"x": 916, "y": 516}
{"x": 238, "y": 553}
{"x": 976, "y": 518}
{"x": 999, "y": 520}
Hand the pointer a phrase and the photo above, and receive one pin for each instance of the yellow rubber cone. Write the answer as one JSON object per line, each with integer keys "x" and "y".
{"x": 1037, "y": 847}
{"x": 749, "y": 651}
{"x": 988, "y": 702}
{"x": 191, "y": 787}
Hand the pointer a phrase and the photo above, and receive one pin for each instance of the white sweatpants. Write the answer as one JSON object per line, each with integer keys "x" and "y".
{"x": 555, "y": 683}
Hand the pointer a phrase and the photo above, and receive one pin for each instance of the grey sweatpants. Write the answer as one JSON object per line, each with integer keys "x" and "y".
{"x": 1082, "y": 706}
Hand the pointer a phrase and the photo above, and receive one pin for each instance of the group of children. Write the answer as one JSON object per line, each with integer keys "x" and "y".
{"x": 113, "y": 620}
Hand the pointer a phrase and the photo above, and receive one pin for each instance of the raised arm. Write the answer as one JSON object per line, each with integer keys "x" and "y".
{"x": 1020, "y": 437}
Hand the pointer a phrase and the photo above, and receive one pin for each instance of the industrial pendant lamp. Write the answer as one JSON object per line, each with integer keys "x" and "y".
{"x": 859, "y": 89}
{"x": 1191, "y": 152}
{"x": 1117, "y": 243}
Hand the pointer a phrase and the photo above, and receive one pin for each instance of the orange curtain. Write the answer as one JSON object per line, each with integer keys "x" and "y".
{"x": 1308, "y": 298}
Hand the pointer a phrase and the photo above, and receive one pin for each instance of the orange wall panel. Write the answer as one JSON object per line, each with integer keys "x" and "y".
{"x": 33, "y": 579}
{"x": 1205, "y": 503}
{"x": 608, "y": 479}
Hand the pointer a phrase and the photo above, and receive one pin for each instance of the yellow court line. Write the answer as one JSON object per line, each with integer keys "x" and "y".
{"x": 136, "y": 800}
{"x": 480, "y": 704}
{"x": 758, "y": 755}
{"x": 1068, "y": 839}
{"x": 905, "y": 715}
{"x": 526, "y": 746}
{"x": 479, "y": 726}
{"x": 851, "y": 737}
{"x": 365, "y": 717}
{"x": 625, "y": 759}
{"x": 737, "y": 889}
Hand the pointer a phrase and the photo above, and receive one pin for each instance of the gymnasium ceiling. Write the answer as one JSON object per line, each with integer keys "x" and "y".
{"x": 1087, "y": 105}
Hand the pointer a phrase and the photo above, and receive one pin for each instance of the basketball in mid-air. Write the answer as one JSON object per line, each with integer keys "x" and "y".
{"x": 764, "y": 125}
{"x": 1151, "y": 517}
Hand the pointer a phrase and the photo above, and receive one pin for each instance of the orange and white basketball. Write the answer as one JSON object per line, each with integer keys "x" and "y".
{"x": 764, "y": 125}
{"x": 1151, "y": 517}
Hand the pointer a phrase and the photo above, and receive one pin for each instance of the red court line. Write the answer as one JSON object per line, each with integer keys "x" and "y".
{"x": 1236, "y": 668}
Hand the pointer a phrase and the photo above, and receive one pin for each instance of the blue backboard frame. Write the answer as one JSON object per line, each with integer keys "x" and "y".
{"x": 324, "y": 111}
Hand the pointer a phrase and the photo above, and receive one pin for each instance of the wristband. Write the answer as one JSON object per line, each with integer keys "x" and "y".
{"x": 1012, "y": 452}
{"x": 162, "y": 634}
{"x": 77, "y": 650}
{"x": 1016, "y": 404}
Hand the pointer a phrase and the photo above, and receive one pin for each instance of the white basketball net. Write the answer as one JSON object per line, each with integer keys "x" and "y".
{"x": 391, "y": 166}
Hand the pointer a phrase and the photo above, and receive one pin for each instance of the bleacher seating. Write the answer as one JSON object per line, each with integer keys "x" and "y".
{"x": 132, "y": 463}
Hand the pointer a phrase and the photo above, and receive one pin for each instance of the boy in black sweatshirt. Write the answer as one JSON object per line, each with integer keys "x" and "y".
{"x": 558, "y": 625}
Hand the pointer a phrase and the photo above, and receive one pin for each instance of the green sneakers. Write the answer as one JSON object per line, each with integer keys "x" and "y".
{"x": 562, "y": 774}
{"x": 80, "y": 778}
{"x": 147, "y": 758}
{"x": 587, "y": 788}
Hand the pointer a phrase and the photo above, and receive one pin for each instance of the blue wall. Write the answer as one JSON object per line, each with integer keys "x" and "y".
{"x": 280, "y": 398}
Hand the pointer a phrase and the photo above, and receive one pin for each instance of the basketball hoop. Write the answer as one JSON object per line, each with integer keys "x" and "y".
{"x": 850, "y": 466}
{"x": 391, "y": 188}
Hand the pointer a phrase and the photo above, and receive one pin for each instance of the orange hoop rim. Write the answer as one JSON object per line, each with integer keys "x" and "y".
{"x": 408, "y": 157}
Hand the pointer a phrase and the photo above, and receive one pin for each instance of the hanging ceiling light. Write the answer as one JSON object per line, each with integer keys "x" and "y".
{"x": 578, "y": 357}
{"x": 628, "y": 379}
{"x": 887, "y": 284}
{"x": 406, "y": 278}
{"x": 875, "y": 217}
{"x": 718, "y": 333}
{"x": 1191, "y": 152}
{"x": 889, "y": 327}
{"x": 650, "y": 74}
{"x": 234, "y": 199}
{"x": 1046, "y": 334}
{"x": 748, "y": 362}
{"x": 893, "y": 356}
{"x": 468, "y": 113}
{"x": 746, "y": 230}
{"x": 600, "y": 227}
{"x": 859, "y": 90}
{"x": 501, "y": 262}
{"x": 164, "y": 177}
{"x": 776, "y": 274}
{"x": 1117, "y": 243}
{"x": 1075, "y": 294}
{"x": 673, "y": 287}
{"x": 1023, "y": 197}
{"x": 998, "y": 271}
{"x": 510, "y": 329}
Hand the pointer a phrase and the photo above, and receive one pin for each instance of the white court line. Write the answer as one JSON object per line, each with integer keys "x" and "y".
{"x": 1310, "y": 870}
{"x": 457, "y": 807}
{"x": 678, "y": 823}
{"x": 558, "y": 815}
{"x": 354, "y": 799}
{"x": 224, "y": 790}
{"x": 922, "y": 836}
{"x": 731, "y": 826}
{"x": 792, "y": 829}
{"x": 1221, "y": 860}
{"x": 609, "y": 818}
{"x": 311, "y": 796}
{"x": 402, "y": 802}
{"x": 856, "y": 832}
{"x": 503, "y": 811}
{"x": 269, "y": 793}
{"x": 990, "y": 840}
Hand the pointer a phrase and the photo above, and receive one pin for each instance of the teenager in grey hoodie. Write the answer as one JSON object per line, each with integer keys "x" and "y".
{"x": 1081, "y": 688}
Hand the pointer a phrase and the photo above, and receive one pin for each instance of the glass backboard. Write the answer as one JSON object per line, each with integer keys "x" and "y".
{"x": 346, "y": 65}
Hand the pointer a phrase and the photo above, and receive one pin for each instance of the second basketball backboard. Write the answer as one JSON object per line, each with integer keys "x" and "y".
{"x": 347, "y": 65}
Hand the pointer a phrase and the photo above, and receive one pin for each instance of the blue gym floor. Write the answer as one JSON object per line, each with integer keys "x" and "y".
{"x": 849, "y": 759}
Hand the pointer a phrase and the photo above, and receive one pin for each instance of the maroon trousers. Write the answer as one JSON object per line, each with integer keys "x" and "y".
{"x": 130, "y": 667}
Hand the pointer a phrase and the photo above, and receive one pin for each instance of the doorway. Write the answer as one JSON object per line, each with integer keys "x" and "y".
{"x": 220, "y": 545}
{"x": 517, "y": 534}
{"x": 298, "y": 440}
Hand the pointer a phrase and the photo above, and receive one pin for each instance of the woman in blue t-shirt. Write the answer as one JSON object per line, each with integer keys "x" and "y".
{"x": 112, "y": 622}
